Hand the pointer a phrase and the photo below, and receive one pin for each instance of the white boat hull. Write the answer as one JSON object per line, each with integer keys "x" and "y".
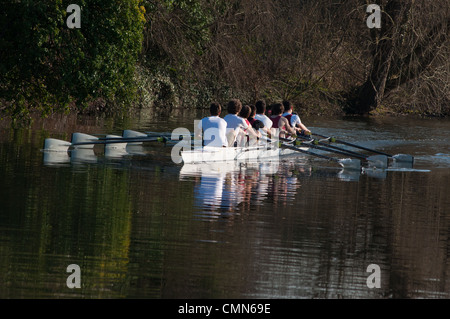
{"x": 225, "y": 154}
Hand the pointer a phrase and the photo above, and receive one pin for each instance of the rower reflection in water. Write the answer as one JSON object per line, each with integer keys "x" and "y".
{"x": 225, "y": 191}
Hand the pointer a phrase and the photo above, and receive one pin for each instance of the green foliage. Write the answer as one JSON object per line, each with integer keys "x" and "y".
{"x": 178, "y": 43}
{"x": 190, "y": 20}
{"x": 45, "y": 66}
{"x": 155, "y": 89}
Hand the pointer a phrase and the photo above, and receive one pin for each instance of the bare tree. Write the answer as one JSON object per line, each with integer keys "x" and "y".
{"x": 412, "y": 36}
{"x": 309, "y": 51}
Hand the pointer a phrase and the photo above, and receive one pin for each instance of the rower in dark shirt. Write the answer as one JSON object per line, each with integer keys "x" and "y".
{"x": 280, "y": 123}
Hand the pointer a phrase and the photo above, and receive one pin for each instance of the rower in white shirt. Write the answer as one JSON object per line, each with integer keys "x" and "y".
{"x": 293, "y": 119}
{"x": 236, "y": 125}
{"x": 214, "y": 128}
{"x": 261, "y": 116}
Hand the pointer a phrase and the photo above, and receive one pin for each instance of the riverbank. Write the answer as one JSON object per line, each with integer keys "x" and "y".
{"x": 134, "y": 117}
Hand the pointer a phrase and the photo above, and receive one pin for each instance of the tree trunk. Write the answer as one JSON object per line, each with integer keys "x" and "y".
{"x": 369, "y": 95}
{"x": 402, "y": 51}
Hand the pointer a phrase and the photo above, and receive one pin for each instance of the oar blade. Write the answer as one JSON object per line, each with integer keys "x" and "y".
{"x": 115, "y": 146}
{"x": 115, "y": 150}
{"x": 128, "y": 134}
{"x": 403, "y": 158}
{"x": 55, "y": 145}
{"x": 350, "y": 163}
{"x": 400, "y": 165}
{"x": 378, "y": 161}
{"x": 83, "y": 140}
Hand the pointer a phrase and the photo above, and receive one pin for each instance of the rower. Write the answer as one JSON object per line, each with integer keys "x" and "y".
{"x": 294, "y": 119}
{"x": 280, "y": 124}
{"x": 256, "y": 124}
{"x": 236, "y": 125}
{"x": 261, "y": 116}
{"x": 251, "y": 134}
{"x": 214, "y": 128}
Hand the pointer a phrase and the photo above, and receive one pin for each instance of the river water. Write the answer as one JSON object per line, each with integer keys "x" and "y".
{"x": 141, "y": 226}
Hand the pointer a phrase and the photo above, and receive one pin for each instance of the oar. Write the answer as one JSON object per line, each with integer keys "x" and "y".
{"x": 346, "y": 162}
{"x": 168, "y": 135}
{"x": 397, "y": 157}
{"x": 120, "y": 140}
{"x": 81, "y": 139}
{"x": 379, "y": 161}
{"x": 170, "y": 142}
{"x": 309, "y": 140}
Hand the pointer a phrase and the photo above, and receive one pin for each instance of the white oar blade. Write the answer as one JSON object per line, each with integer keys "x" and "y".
{"x": 403, "y": 158}
{"x": 115, "y": 146}
{"x": 115, "y": 149}
{"x": 55, "y": 145}
{"x": 81, "y": 138}
{"x": 133, "y": 134}
{"x": 350, "y": 163}
{"x": 378, "y": 161}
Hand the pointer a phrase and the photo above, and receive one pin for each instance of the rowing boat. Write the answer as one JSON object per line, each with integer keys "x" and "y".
{"x": 117, "y": 146}
{"x": 182, "y": 150}
{"x": 225, "y": 154}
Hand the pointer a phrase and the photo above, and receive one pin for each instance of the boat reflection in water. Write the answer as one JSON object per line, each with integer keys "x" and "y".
{"x": 74, "y": 156}
{"x": 90, "y": 155}
{"x": 56, "y": 158}
{"x": 224, "y": 190}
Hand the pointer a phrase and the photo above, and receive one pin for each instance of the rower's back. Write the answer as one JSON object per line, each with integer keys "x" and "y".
{"x": 214, "y": 128}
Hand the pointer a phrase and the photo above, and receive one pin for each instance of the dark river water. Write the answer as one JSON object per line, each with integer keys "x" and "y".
{"x": 141, "y": 226}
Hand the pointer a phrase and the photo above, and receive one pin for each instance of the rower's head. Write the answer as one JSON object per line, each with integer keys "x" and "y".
{"x": 260, "y": 107}
{"x": 288, "y": 106}
{"x": 245, "y": 111}
{"x": 215, "y": 109}
{"x": 234, "y": 106}
{"x": 252, "y": 111}
{"x": 277, "y": 109}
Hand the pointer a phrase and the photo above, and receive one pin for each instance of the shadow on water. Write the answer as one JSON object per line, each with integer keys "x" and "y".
{"x": 141, "y": 226}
